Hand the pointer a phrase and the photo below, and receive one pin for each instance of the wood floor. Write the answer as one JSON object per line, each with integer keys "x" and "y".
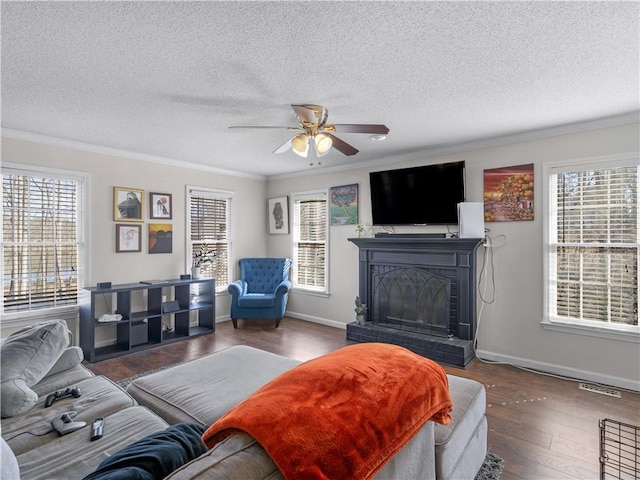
{"x": 543, "y": 427}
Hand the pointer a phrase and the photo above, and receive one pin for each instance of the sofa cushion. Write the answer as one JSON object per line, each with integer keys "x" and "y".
{"x": 203, "y": 390}
{"x": 75, "y": 456}
{"x": 62, "y": 380}
{"x": 154, "y": 456}
{"x": 468, "y": 415}
{"x": 26, "y": 357}
{"x": 100, "y": 397}
{"x": 257, "y": 300}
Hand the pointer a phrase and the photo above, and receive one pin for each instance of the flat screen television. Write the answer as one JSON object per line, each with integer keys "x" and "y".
{"x": 426, "y": 195}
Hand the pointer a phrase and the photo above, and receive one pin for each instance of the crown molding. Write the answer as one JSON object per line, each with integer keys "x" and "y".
{"x": 436, "y": 150}
{"x": 114, "y": 152}
{"x": 446, "y": 149}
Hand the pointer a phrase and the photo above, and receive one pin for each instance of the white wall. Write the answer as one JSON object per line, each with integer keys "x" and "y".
{"x": 510, "y": 328}
{"x": 106, "y": 171}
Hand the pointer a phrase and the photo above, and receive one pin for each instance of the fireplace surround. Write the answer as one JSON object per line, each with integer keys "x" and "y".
{"x": 421, "y": 294}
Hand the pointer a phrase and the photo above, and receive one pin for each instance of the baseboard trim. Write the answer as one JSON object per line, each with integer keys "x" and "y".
{"x": 626, "y": 383}
{"x": 321, "y": 321}
{"x": 299, "y": 316}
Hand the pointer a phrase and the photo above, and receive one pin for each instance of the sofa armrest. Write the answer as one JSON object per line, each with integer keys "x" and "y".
{"x": 237, "y": 288}
{"x": 283, "y": 288}
{"x": 71, "y": 357}
{"x": 10, "y": 469}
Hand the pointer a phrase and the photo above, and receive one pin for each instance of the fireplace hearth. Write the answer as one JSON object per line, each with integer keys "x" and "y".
{"x": 421, "y": 293}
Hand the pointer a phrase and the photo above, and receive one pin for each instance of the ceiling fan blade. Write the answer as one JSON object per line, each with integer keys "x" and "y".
{"x": 285, "y": 147}
{"x": 266, "y": 126}
{"x": 359, "y": 128}
{"x": 342, "y": 146}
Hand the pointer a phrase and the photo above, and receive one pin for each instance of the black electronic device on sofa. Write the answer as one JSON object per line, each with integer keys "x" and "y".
{"x": 67, "y": 392}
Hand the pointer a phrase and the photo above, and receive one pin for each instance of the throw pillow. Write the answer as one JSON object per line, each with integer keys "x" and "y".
{"x": 70, "y": 357}
{"x": 26, "y": 357}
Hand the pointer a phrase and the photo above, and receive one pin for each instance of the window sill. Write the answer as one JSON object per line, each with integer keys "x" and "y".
{"x": 313, "y": 293}
{"x": 29, "y": 317}
{"x": 599, "y": 332}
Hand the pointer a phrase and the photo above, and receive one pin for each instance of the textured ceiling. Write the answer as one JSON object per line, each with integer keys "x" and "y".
{"x": 167, "y": 79}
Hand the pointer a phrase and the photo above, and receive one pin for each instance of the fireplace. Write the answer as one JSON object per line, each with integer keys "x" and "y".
{"x": 410, "y": 298}
{"x": 421, "y": 295}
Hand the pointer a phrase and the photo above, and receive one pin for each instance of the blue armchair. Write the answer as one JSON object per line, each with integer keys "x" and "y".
{"x": 262, "y": 290}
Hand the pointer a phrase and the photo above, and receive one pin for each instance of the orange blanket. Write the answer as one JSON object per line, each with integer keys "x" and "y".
{"x": 342, "y": 415}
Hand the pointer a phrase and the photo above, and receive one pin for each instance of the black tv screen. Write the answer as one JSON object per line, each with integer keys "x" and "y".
{"x": 427, "y": 195}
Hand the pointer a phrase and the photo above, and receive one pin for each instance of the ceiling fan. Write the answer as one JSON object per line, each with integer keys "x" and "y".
{"x": 312, "y": 123}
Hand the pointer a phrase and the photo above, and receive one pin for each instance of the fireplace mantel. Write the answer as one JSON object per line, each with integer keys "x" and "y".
{"x": 454, "y": 258}
{"x": 417, "y": 241}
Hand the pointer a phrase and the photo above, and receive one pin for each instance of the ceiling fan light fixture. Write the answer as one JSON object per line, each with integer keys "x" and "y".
{"x": 312, "y": 126}
{"x": 300, "y": 144}
{"x": 323, "y": 144}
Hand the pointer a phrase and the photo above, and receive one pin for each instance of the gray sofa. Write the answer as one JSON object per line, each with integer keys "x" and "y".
{"x": 200, "y": 392}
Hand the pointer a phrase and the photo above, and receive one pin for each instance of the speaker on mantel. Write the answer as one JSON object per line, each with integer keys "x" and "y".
{"x": 471, "y": 220}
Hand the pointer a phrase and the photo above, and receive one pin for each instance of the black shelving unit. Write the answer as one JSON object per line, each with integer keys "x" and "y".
{"x": 147, "y": 309}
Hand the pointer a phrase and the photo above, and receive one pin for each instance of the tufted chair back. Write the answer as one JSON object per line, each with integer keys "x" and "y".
{"x": 263, "y": 275}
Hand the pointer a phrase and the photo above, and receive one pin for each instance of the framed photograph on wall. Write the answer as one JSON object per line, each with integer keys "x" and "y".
{"x": 160, "y": 238}
{"x": 160, "y": 206}
{"x": 128, "y": 204}
{"x": 128, "y": 238}
{"x": 343, "y": 205}
{"x": 508, "y": 193}
{"x": 278, "y": 214}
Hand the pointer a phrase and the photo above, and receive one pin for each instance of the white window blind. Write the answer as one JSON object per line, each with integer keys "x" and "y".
{"x": 210, "y": 223}
{"x": 593, "y": 245}
{"x": 310, "y": 241}
{"x": 41, "y": 240}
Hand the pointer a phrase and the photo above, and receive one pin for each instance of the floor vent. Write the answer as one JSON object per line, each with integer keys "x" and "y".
{"x": 598, "y": 389}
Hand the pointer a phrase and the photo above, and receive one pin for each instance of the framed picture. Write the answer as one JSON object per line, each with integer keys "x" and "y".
{"x": 160, "y": 206}
{"x": 128, "y": 204}
{"x": 343, "y": 205}
{"x": 278, "y": 213}
{"x": 160, "y": 238}
{"x": 128, "y": 238}
{"x": 508, "y": 194}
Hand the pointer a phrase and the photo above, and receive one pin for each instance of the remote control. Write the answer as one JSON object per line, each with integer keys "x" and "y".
{"x": 97, "y": 428}
{"x": 68, "y": 392}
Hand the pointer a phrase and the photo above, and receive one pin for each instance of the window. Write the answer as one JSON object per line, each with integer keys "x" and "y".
{"x": 209, "y": 217}
{"x": 42, "y": 240}
{"x": 592, "y": 245}
{"x": 310, "y": 241}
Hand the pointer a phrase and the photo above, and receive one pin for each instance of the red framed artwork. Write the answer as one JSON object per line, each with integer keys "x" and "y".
{"x": 508, "y": 193}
